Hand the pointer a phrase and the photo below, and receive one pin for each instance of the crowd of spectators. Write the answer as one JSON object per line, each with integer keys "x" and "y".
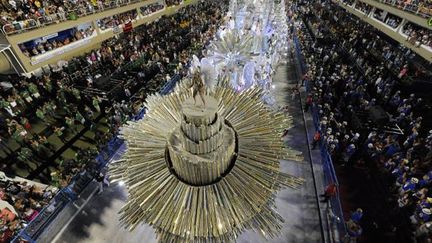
{"x": 349, "y": 2}
{"x": 422, "y": 7}
{"x": 342, "y": 91}
{"x": 365, "y": 45}
{"x": 364, "y": 7}
{"x": 54, "y": 43}
{"x": 51, "y": 97}
{"x": 418, "y": 35}
{"x": 393, "y": 21}
{"x": 387, "y": 18}
{"x": 118, "y": 19}
{"x": 47, "y": 99}
{"x": 19, "y": 14}
{"x": 379, "y": 14}
{"x": 149, "y": 56}
{"x": 170, "y": 3}
{"x": 21, "y": 202}
{"x": 151, "y": 8}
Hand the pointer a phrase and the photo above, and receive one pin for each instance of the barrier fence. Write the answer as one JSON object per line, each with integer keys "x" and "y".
{"x": 70, "y": 193}
{"x": 335, "y": 215}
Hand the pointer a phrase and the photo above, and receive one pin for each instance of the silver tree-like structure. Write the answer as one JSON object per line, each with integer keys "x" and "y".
{"x": 205, "y": 174}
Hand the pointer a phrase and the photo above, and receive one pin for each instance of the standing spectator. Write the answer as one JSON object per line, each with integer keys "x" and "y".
{"x": 102, "y": 180}
{"x": 329, "y": 192}
{"x": 79, "y": 118}
{"x": 40, "y": 114}
{"x": 357, "y": 215}
{"x": 58, "y": 131}
{"x": 309, "y": 102}
{"x": 70, "y": 123}
{"x": 96, "y": 103}
{"x": 316, "y": 139}
{"x": 354, "y": 231}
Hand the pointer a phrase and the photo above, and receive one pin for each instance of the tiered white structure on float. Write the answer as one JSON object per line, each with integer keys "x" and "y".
{"x": 202, "y": 148}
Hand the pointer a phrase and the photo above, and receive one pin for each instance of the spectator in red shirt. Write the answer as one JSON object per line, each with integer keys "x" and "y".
{"x": 403, "y": 71}
{"x": 329, "y": 192}
{"x": 316, "y": 139}
{"x": 309, "y": 101}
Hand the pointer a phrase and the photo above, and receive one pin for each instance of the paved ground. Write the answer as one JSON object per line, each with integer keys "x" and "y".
{"x": 98, "y": 219}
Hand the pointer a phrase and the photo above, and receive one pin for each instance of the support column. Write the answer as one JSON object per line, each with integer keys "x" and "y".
{"x": 401, "y": 25}
{"x": 372, "y": 12}
{"x": 96, "y": 27}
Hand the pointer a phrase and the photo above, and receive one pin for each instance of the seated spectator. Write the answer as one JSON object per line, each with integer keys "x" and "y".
{"x": 170, "y": 3}
{"x": 418, "y": 35}
{"x": 20, "y": 203}
{"x": 118, "y": 19}
{"x": 151, "y": 8}
{"x": 30, "y": 49}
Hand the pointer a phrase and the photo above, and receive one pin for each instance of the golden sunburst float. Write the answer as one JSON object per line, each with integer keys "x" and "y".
{"x": 205, "y": 173}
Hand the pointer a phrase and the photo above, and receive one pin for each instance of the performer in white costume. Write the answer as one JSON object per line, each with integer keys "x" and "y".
{"x": 231, "y": 23}
{"x": 258, "y": 37}
{"x": 249, "y": 47}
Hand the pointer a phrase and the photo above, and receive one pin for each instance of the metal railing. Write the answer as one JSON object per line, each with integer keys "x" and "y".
{"x": 20, "y": 26}
{"x": 33, "y": 23}
{"x": 335, "y": 217}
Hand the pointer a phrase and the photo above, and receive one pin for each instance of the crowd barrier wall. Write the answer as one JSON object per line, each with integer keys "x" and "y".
{"x": 335, "y": 214}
